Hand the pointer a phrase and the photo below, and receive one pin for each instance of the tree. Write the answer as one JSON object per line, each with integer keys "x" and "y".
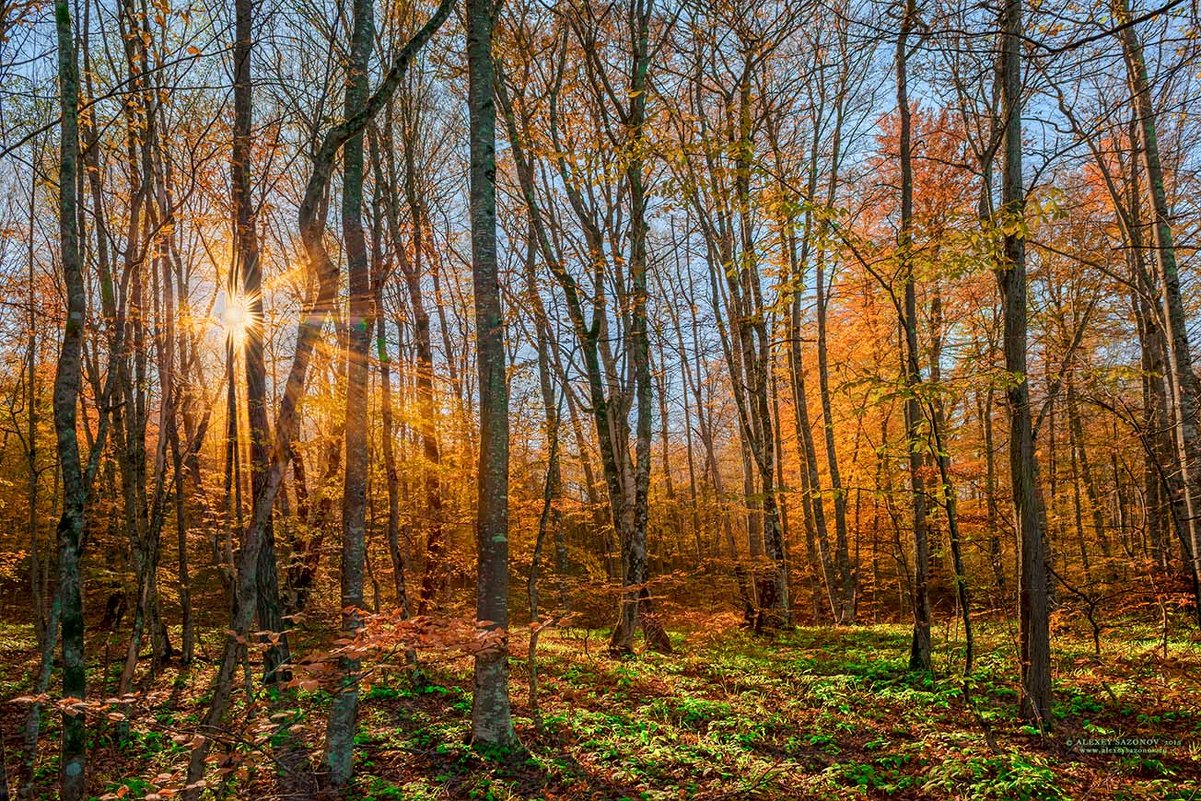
{"x": 1033, "y": 603}
{"x": 73, "y": 764}
{"x": 248, "y": 282}
{"x": 339, "y": 748}
{"x": 721, "y": 189}
{"x": 610, "y": 244}
{"x": 491, "y": 722}
{"x": 919, "y": 652}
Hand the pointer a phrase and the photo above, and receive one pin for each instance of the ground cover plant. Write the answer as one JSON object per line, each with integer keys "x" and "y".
{"x": 817, "y": 713}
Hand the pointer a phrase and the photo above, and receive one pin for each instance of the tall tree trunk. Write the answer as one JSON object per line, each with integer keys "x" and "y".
{"x": 752, "y": 332}
{"x": 387, "y": 435}
{"x": 919, "y": 651}
{"x": 552, "y": 514}
{"x": 845, "y": 599}
{"x": 340, "y": 731}
{"x": 636, "y": 602}
{"x": 248, "y": 283}
{"x": 1033, "y": 602}
{"x": 67, "y": 377}
{"x": 817, "y": 548}
{"x": 46, "y": 599}
{"x": 491, "y": 721}
{"x": 626, "y": 475}
{"x": 39, "y": 590}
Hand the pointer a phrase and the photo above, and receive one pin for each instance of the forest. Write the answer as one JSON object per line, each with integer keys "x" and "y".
{"x": 600, "y": 399}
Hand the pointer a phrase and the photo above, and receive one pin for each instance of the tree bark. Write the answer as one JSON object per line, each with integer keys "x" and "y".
{"x": 67, "y": 378}
{"x": 845, "y": 598}
{"x": 247, "y": 282}
{"x": 491, "y": 721}
{"x": 919, "y": 650}
{"x": 1033, "y": 602}
{"x": 384, "y": 187}
{"x": 340, "y": 730}
{"x": 344, "y": 709}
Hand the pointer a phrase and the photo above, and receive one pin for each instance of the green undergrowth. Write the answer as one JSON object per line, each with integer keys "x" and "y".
{"x": 816, "y": 713}
{"x": 811, "y": 714}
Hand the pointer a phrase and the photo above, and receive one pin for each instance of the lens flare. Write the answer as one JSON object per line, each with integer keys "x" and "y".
{"x": 238, "y": 316}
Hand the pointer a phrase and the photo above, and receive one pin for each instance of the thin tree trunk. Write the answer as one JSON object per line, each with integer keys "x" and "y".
{"x": 552, "y": 515}
{"x": 389, "y": 450}
{"x": 627, "y": 478}
{"x": 434, "y": 575}
{"x": 548, "y": 519}
{"x": 1076, "y": 455}
{"x": 844, "y": 601}
{"x": 635, "y": 574}
{"x": 919, "y": 651}
{"x": 817, "y": 547}
{"x": 188, "y": 647}
{"x": 992, "y": 516}
{"x": 383, "y": 203}
{"x": 950, "y": 499}
{"x": 1091, "y": 490}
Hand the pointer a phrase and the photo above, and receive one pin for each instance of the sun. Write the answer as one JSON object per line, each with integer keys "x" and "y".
{"x": 238, "y": 316}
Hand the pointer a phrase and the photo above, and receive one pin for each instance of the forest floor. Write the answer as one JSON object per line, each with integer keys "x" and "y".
{"x": 818, "y": 713}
